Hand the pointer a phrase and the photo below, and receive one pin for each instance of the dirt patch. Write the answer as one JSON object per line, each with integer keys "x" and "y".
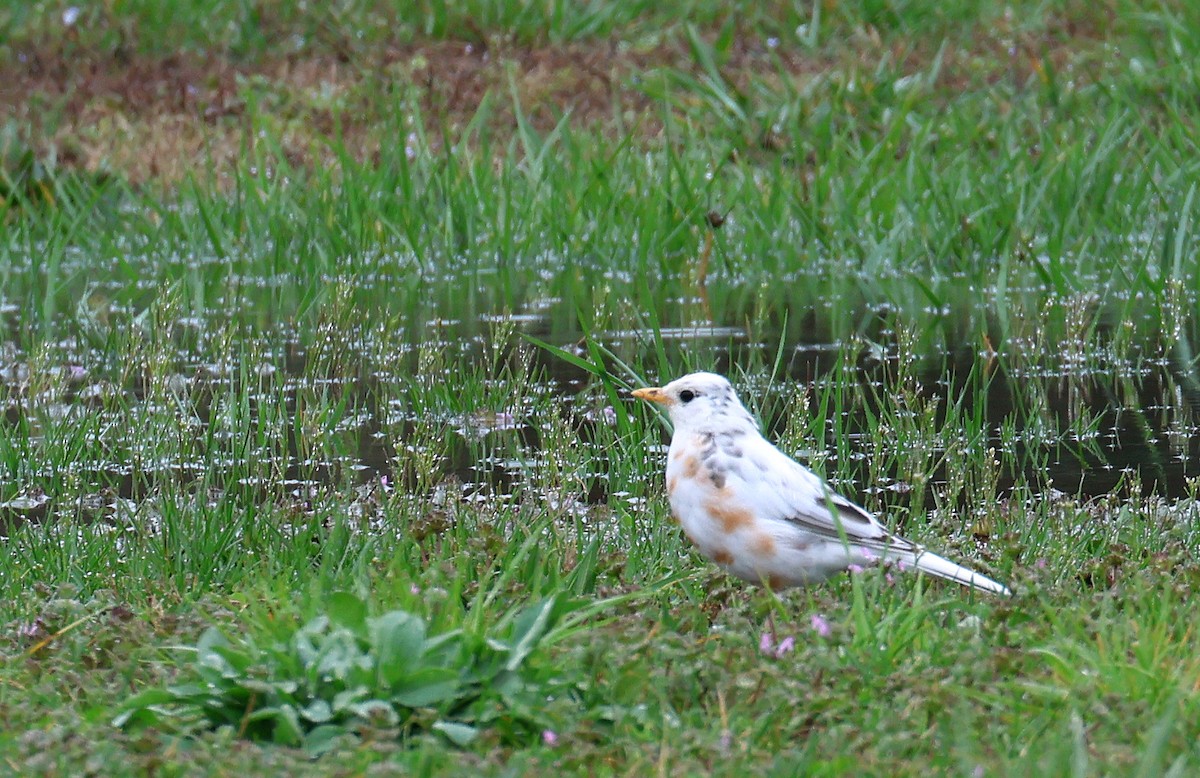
{"x": 164, "y": 119}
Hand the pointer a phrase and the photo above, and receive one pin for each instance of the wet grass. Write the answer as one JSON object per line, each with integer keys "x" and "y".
{"x": 947, "y": 256}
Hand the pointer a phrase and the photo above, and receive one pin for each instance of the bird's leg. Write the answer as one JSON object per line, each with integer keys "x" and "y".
{"x": 774, "y": 604}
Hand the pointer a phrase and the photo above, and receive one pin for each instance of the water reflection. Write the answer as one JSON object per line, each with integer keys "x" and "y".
{"x": 1078, "y": 395}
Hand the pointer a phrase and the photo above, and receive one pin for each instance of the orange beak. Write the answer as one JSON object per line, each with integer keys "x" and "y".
{"x": 652, "y": 394}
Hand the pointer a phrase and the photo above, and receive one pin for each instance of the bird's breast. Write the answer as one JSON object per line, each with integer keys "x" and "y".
{"x": 712, "y": 499}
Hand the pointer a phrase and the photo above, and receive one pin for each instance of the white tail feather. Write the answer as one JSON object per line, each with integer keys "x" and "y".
{"x": 943, "y": 568}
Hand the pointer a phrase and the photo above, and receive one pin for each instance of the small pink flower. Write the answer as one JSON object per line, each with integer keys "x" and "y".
{"x": 785, "y": 646}
{"x": 610, "y": 415}
{"x": 869, "y": 555}
{"x": 1041, "y": 563}
{"x": 549, "y": 737}
{"x": 33, "y": 630}
{"x": 766, "y": 642}
{"x": 855, "y": 569}
{"x": 901, "y": 565}
{"x": 414, "y": 590}
{"x": 821, "y": 626}
{"x": 385, "y": 484}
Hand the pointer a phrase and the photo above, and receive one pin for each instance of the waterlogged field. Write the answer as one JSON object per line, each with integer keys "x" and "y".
{"x": 316, "y": 331}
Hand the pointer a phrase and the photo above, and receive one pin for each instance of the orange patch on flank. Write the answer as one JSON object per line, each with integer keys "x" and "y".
{"x": 775, "y": 582}
{"x": 677, "y": 455}
{"x": 731, "y": 518}
{"x": 722, "y": 557}
{"x": 691, "y": 467}
{"x": 672, "y": 482}
{"x": 763, "y": 545}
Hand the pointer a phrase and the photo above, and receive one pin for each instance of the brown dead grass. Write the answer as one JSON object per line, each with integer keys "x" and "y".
{"x": 165, "y": 119}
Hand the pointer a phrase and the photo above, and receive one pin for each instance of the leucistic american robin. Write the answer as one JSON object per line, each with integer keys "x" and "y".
{"x": 759, "y": 514}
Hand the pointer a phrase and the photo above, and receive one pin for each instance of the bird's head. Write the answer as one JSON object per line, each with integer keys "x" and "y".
{"x": 699, "y": 401}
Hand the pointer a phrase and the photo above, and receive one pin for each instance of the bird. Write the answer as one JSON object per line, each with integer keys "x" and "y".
{"x": 759, "y": 514}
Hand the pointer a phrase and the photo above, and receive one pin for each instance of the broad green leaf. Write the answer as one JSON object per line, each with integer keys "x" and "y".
{"x": 318, "y": 625}
{"x": 428, "y": 688}
{"x": 258, "y": 686}
{"x": 287, "y": 730}
{"x": 211, "y": 638}
{"x": 444, "y": 649}
{"x": 317, "y": 711}
{"x": 215, "y": 657}
{"x": 347, "y": 610}
{"x": 185, "y": 691}
{"x": 528, "y": 629}
{"x": 460, "y": 735}
{"x": 141, "y": 708}
{"x": 377, "y": 713}
{"x": 304, "y": 647}
{"x": 340, "y": 656}
{"x": 507, "y": 684}
{"x": 399, "y": 641}
{"x": 345, "y": 700}
{"x": 148, "y": 716}
{"x": 322, "y": 739}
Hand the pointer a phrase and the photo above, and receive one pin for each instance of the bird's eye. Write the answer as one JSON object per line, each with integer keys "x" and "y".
{"x": 686, "y": 396}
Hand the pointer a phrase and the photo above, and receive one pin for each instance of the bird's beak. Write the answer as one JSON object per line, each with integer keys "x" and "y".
{"x": 652, "y": 394}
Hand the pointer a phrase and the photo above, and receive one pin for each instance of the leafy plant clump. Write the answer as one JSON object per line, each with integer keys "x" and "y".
{"x": 343, "y": 673}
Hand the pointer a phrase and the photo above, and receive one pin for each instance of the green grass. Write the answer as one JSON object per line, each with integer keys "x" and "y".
{"x": 957, "y": 276}
{"x": 246, "y": 30}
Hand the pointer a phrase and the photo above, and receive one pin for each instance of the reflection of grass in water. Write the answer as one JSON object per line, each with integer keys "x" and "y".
{"x": 986, "y": 273}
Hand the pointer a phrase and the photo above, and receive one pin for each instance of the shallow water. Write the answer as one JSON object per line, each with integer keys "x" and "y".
{"x": 1083, "y": 392}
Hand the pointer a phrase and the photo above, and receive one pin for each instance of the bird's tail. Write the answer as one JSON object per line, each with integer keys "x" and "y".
{"x": 944, "y": 568}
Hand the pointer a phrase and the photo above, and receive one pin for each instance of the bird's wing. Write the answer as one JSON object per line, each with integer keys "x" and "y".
{"x": 777, "y": 488}
{"x": 795, "y": 494}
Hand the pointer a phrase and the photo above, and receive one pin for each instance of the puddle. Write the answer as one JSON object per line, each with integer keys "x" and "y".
{"x": 1082, "y": 401}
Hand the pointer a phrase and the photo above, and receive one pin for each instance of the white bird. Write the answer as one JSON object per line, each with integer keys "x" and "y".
{"x": 759, "y": 514}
